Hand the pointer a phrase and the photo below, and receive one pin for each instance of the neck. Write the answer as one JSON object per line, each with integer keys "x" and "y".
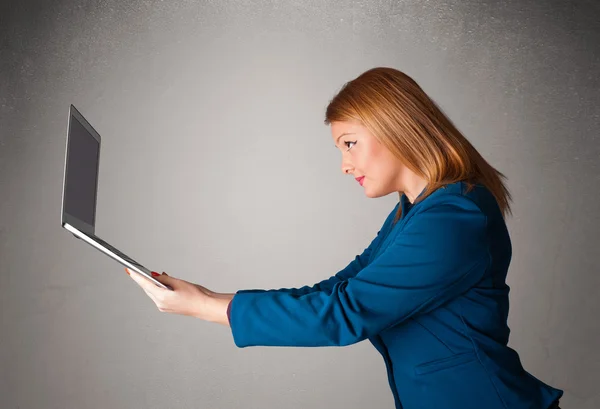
{"x": 414, "y": 187}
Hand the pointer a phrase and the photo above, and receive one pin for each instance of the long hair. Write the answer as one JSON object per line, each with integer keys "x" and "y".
{"x": 394, "y": 108}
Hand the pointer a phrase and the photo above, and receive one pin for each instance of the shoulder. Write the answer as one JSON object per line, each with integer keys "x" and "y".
{"x": 453, "y": 199}
{"x": 446, "y": 228}
{"x": 449, "y": 213}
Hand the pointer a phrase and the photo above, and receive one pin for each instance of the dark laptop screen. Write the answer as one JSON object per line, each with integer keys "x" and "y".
{"x": 82, "y": 173}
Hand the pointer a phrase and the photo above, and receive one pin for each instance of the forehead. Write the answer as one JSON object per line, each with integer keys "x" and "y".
{"x": 339, "y": 128}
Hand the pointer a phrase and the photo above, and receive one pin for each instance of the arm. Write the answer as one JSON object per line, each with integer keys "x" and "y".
{"x": 441, "y": 253}
{"x": 326, "y": 286}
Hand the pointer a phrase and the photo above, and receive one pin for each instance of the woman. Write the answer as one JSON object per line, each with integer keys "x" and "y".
{"x": 429, "y": 292}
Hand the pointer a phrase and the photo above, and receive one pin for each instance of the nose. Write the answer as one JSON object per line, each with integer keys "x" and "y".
{"x": 346, "y": 166}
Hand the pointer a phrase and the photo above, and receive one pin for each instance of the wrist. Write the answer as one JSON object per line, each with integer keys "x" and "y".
{"x": 217, "y": 308}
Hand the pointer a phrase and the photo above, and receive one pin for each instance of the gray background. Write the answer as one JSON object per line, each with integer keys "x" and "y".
{"x": 216, "y": 167}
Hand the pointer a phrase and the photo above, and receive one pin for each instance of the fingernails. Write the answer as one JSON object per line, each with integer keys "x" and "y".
{"x": 127, "y": 271}
{"x": 155, "y": 274}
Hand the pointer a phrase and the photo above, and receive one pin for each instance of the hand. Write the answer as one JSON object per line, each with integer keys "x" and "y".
{"x": 186, "y": 298}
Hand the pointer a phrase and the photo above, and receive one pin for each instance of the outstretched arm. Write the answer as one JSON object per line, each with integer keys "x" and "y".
{"x": 441, "y": 253}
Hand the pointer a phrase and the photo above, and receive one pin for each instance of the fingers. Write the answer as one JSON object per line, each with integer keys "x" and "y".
{"x": 151, "y": 289}
{"x": 171, "y": 282}
{"x": 142, "y": 281}
{"x": 149, "y": 285}
{"x": 186, "y": 299}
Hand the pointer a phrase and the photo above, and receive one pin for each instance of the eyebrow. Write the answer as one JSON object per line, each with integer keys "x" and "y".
{"x": 345, "y": 133}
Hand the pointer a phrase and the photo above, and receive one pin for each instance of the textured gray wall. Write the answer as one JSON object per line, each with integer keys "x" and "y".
{"x": 216, "y": 168}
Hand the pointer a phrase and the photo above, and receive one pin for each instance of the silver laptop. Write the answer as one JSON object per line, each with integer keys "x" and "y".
{"x": 80, "y": 189}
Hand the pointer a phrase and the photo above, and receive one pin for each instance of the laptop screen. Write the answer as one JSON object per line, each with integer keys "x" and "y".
{"x": 82, "y": 173}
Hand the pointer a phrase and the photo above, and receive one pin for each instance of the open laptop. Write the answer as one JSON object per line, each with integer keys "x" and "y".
{"x": 80, "y": 189}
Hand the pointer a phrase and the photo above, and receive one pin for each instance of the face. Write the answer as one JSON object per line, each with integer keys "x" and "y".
{"x": 363, "y": 155}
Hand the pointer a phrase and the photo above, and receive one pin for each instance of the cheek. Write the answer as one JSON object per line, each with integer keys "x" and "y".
{"x": 383, "y": 165}
{"x": 367, "y": 160}
{"x": 374, "y": 162}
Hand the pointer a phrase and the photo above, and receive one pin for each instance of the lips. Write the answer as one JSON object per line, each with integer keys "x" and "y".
{"x": 360, "y": 180}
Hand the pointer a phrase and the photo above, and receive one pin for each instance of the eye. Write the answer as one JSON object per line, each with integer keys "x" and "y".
{"x": 348, "y": 142}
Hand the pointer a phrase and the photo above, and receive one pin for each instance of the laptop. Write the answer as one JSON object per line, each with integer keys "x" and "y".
{"x": 80, "y": 191}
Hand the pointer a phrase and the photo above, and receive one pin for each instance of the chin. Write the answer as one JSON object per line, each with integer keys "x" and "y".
{"x": 373, "y": 194}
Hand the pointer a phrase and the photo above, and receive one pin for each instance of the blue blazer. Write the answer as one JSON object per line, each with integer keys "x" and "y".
{"x": 429, "y": 293}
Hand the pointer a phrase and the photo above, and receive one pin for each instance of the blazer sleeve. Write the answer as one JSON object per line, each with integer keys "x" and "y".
{"x": 352, "y": 269}
{"x": 441, "y": 252}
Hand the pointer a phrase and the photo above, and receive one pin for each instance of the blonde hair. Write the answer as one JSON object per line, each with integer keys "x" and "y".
{"x": 394, "y": 108}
